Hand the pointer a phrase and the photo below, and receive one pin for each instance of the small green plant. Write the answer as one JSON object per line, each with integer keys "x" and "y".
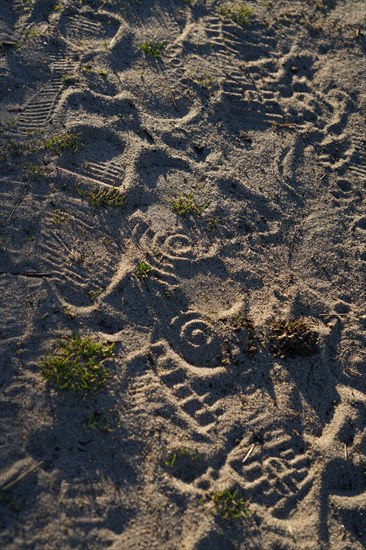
{"x": 88, "y": 68}
{"x": 69, "y": 78}
{"x": 35, "y": 131}
{"x": 143, "y": 270}
{"x": 173, "y": 458}
{"x": 205, "y": 81}
{"x": 95, "y": 293}
{"x": 77, "y": 364}
{"x": 103, "y": 197}
{"x": 230, "y": 505}
{"x": 239, "y": 13}
{"x": 59, "y": 217}
{"x": 185, "y": 463}
{"x": 187, "y": 204}
{"x": 155, "y": 49}
{"x": 25, "y": 5}
{"x": 36, "y": 171}
{"x": 63, "y": 142}
{"x": 291, "y": 338}
{"x": 31, "y": 32}
{"x": 106, "y": 240}
{"x": 212, "y": 223}
{"x": 104, "y": 422}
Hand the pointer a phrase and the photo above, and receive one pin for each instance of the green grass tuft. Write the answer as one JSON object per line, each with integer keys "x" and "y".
{"x": 143, "y": 270}
{"x": 205, "y": 81}
{"x": 77, "y": 364}
{"x": 36, "y": 171}
{"x": 63, "y": 142}
{"x": 230, "y": 505}
{"x": 175, "y": 458}
{"x": 103, "y": 197}
{"x": 59, "y": 217}
{"x": 155, "y": 49}
{"x": 239, "y": 13}
{"x": 105, "y": 421}
{"x": 187, "y": 204}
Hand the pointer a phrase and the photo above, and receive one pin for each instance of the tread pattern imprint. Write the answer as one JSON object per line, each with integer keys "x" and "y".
{"x": 115, "y": 117}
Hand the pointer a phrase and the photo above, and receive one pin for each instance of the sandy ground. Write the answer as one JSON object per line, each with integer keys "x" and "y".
{"x": 261, "y": 129}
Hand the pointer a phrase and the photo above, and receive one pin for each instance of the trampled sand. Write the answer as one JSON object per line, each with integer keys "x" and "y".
{"x": 240, "y": 357}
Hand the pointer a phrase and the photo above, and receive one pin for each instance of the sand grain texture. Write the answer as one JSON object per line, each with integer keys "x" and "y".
{"x": 261, "y": 129}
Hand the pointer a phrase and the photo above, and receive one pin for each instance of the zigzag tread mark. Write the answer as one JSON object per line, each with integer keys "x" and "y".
{"x": 39, "y": 109}
{"x": 188, "y": 401}
{"x": 108, "y": 173}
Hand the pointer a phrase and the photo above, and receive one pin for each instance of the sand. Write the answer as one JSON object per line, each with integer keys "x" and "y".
{"x": 259, "y": 129}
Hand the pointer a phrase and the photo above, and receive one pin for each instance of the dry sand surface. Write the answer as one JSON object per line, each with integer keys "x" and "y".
{"x": 184, "y": 188}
